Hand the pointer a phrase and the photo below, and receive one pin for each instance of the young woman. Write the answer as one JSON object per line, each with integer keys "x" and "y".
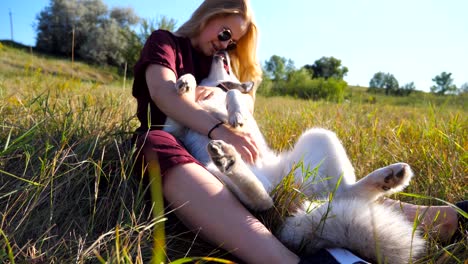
{"x": 202, "y": 202}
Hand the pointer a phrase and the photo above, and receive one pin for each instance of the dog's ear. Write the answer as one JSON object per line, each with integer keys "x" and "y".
{"x": 244, "y": 87}
{"x": 230, "y": 85}
{"x": 247, "y": 87}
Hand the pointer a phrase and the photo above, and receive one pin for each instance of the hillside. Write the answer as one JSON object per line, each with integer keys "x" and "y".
{"x": 16, "y": 57}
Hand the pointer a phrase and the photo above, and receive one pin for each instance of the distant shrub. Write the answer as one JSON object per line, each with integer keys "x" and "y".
{"x": 299, "y": 84}
{"x": 316, "y": 89}
{"x": 265, "y": 87}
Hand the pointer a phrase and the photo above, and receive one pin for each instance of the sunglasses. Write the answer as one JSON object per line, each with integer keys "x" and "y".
{"x": 226, "y": 35}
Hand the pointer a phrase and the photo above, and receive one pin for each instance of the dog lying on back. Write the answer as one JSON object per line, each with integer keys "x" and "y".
{"x": 352, "y": 219}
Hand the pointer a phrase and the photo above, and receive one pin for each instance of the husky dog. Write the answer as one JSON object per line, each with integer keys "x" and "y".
{"x": 342, "y": 212}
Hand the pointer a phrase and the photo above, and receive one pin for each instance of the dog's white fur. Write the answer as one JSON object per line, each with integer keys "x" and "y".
{"x": 352, "y": 219}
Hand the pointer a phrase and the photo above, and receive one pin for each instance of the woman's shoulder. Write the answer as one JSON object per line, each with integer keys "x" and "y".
{"x": 162, "y": 35}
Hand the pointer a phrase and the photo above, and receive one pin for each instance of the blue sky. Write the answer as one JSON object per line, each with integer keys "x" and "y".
{"x": 414, "y": 40}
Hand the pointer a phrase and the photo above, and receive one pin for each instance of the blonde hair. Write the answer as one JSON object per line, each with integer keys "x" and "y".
{"x": 244, "y": 61}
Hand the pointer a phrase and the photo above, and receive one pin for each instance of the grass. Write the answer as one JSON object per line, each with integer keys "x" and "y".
{"x": 69, "y": 193}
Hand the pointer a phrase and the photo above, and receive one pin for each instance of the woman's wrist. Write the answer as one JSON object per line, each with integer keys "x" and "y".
{"x": 210, "y": 132}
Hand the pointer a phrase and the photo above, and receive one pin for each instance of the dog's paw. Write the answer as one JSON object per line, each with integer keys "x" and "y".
{"x": 223, "y": 155}
{"x": 263, "y": 203}
{"x": 393, "y": 178}
{"x": 185, "y": 83}
{"x": 236, "y": 119}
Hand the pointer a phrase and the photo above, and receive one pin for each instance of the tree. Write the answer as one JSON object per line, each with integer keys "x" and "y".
{"x": 444, "y": 84}
{"x": 464, "y": 88}
{"x": 124, "y": 16}
{"x": 55, "y": 27}
{"x": 384, "y": 82}
{"x": 147, "y": 26}
{"x": 391, "y": 85}
{"x": 87, "y": 27}
{"x": 327, "y": 67}
{"x": 108, "y": 51}
{"x": 377, "y": 82}
{"x": 278, "y": 68}
{"x": 406, "y": 89}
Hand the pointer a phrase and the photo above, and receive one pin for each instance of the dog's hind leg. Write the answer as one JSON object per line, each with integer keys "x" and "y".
{"x": 384, "y": 181}
{"x": 240, "y": 179}
{"x": 321, "y": 152}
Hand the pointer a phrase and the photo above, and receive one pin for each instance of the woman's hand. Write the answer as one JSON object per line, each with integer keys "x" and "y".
{"x": 204, "y": 93}
{"x": 243, "y": 141}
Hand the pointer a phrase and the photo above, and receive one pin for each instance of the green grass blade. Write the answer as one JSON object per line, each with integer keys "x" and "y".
{"x": 10, "y": 251}
{"x": 159, "y": 244}
{"x": 20, "y": 138}
{"x": 19, "y": 178}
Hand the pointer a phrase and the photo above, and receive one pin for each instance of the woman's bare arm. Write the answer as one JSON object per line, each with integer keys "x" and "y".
{"x": 161, "y": 82}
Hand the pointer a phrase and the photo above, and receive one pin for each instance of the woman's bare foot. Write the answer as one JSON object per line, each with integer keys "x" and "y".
{"x": 441, "y": 222}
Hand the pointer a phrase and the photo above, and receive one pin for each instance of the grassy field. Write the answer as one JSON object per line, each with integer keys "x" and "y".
{"x": 67, "y": 189}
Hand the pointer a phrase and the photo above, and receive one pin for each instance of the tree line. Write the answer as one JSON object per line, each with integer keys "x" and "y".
{"x": 387, "y": 83}
{"x": 321, "y": 80}
{"x": 88, "y": 30}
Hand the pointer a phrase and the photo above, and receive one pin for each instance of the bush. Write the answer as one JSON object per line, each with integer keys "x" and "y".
{"x": 316, "y": 89}
{"x": 299, "y": 84}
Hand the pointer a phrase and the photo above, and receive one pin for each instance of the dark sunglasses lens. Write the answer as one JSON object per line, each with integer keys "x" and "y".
{"x": 224, "y": 35}
{"x": 231, "y": 46}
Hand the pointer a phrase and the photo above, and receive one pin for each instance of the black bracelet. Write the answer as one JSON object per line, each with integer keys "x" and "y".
{"x": 213, "y": 128}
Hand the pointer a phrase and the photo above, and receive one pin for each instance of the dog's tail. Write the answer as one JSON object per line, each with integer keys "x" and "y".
{"x": 371, "y": 230}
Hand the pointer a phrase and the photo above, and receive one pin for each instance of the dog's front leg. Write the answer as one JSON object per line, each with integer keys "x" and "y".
{"x": 236, "y": 108}
{"x": 233, "y": 171}
{"x": 186, "y": 85}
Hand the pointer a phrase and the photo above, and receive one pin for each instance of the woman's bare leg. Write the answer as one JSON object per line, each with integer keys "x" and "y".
{"x": 440, "y": 221}
{"x": 207, "y": 205}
